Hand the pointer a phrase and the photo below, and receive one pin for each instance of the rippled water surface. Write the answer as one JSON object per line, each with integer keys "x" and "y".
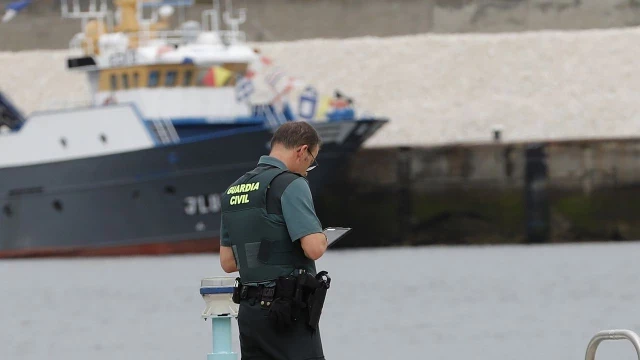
{"x": 481, "y": 303}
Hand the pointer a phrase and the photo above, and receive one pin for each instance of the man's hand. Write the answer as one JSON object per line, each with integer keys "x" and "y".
{"x": 314, "y": 245}
{"x": 227, "y": 260}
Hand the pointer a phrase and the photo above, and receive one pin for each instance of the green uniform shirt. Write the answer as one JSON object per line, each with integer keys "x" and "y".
{"x": 297, "y": 207}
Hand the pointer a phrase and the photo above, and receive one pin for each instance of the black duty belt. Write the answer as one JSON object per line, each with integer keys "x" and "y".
{"x": 263, "y": 294}
{"x": 303, "y": 294}
{"x": 255, "y": 292}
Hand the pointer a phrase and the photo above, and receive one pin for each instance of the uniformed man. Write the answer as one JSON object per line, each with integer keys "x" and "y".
{"x": 269, "y": 232}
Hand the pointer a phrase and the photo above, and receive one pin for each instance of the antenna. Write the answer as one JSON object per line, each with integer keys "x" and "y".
{"x": 214, "y": 15}
{"x": 91, "y": 13}
{"x": 234, "y": 23}
{"x": 145, "y": 23}
{"x": 216, "y": 21}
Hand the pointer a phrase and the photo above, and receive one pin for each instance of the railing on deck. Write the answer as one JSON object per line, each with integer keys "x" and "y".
{"x": 80, "y": 42}
{"x": 273, "y": 116}
{"x": 617, "y": 334}
{"x": 190, "y": 31}
{"x": 165, "y": 131}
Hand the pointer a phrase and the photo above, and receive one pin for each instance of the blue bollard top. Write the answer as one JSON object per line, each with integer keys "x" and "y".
{"x": 217, "y": 295}
{"x": 216, "y": 290}
{"x": 217, "y": 285}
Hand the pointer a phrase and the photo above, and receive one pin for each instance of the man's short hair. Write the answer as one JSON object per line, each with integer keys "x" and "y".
{"x": 296, "y": 133}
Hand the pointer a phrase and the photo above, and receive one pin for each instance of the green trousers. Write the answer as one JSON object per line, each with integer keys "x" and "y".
{"x": 259, "y": 340}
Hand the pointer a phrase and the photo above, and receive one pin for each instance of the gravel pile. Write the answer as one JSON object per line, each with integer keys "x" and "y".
{"x": 435, "y": 89}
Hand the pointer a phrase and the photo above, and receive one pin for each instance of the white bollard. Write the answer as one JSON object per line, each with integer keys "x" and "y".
{"x": 216, "y": 293}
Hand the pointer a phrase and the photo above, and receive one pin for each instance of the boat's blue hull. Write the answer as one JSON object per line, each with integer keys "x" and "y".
{"x": 159, "y": 200}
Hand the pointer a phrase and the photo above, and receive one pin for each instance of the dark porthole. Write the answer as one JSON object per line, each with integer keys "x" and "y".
{"x": 169, "y": 189}
{"x": 103, "y": 138}
{"x": 7, "y": 210}
{"x": 57, "y": 204}
{"x": 63, "y": 142}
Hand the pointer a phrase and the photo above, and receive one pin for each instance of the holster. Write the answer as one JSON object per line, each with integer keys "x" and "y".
{"x": 293, "y": 296}
{"x": 315, "y": 303}
{"x": 236, "y": 296}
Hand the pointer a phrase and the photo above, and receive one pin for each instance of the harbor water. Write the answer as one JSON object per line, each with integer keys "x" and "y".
{"x": 446, "y": 303}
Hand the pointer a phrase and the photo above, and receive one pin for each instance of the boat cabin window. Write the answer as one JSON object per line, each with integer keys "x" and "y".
{"x": 171, "y": 75}
{"x": 114, "y": 82}
{"x": 170, "y": 78}
{"x": 125, "y": 81}
{"x": 154, "y": 77}
{"x": 188, "y": 75}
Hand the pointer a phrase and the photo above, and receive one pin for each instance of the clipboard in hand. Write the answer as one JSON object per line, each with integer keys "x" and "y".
{"x": 334, "y": 234}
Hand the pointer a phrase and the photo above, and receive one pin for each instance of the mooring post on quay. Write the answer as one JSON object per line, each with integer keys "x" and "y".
{"x": 217, "y": 294}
